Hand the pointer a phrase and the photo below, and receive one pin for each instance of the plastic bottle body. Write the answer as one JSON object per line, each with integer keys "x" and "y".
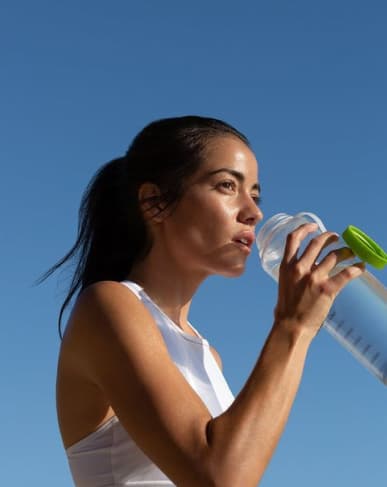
{"x": 358, "y": 317}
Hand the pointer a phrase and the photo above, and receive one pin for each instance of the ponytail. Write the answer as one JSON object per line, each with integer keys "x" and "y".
{"x": 112, "y": 233}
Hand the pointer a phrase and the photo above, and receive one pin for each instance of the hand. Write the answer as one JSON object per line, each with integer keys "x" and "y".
{"x": 306, "y": 291}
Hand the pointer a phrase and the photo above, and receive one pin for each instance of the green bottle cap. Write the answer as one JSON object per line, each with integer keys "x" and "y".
{"x": 364, "y": 247}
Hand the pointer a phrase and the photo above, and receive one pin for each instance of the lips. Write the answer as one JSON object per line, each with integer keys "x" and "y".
{"x": 245, "y": 238}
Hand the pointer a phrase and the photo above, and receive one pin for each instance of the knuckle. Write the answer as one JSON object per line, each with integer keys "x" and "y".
{"x": 296, "y": 233}
{"x": 324, "y": 289}
{"x": 323, "y": 237}
{"x": 348, "y": 273}
{"x": 298, "y": 271}
{"x": 292, "y": 236}
{"x": 314, "y": 280}
{"x": 318, "y": 285}
{"x": 333, "y": 256}
{"x": 283, "y": 265}
{"x": 317, "y": 242}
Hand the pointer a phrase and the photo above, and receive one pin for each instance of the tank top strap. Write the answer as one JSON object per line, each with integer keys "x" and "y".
{"x": 141, "y": 294}
{"x": 133, "y": 286}
{"x": 195, "y": 330}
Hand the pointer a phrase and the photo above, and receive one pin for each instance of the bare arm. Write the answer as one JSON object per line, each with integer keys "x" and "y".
{"x": 121, "y": 350}
{"x": 255, "y": 421}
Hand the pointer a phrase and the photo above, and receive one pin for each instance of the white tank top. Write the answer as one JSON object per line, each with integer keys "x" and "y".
{"x": 109, "y": 457}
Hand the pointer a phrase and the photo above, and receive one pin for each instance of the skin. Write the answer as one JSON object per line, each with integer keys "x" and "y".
{"x": 186, "y": 254}
{"x": 137, "y": 381}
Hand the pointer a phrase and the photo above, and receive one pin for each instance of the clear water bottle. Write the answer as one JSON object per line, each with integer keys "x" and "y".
{"x": 358, "y": 317}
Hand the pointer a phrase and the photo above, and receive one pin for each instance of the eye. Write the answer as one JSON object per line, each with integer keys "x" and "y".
{"x": 228, "y": 185}
{"x": 257, "y": 199}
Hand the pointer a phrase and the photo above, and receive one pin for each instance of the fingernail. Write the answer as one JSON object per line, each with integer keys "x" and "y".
{"x": 348, "y": 251}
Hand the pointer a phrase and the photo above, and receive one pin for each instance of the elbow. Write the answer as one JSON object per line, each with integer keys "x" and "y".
{"x": 222, "y": 468}
{"x": 219, "y": 482}
{"x": 217, "y": 475}
{"x": 207, "y": 476}
{"x": 231, "y": 482}
{"x": 221, "y": 475}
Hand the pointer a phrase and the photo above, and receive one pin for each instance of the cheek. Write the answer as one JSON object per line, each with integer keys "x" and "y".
{"x": 209, "y": 224}
{"x": 202, "y": 222}
{"x": 193, "y": 233}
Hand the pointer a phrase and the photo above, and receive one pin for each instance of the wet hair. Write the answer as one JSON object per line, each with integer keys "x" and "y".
{"x": 112, "y": 233}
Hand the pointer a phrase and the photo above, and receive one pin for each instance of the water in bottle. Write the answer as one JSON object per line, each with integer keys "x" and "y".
{"x": 358, "y": 317}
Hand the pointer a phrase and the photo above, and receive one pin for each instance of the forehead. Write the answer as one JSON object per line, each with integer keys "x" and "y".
{"x": 232, "y": 153}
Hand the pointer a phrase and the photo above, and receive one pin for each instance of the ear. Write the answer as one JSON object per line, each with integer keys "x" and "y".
{"x": 150, "y": 204}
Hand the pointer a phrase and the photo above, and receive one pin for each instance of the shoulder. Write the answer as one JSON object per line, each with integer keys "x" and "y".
{"x": 106, "y": 299}
{"x": 103, "y": 292}
{"x": 106, "y": 310}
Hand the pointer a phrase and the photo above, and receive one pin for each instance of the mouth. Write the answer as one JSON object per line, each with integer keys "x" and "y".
{"x": 242, "y": 246}
{"x": 244, "y": 240}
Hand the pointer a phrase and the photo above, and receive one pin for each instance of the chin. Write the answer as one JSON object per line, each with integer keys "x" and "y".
{"x": 233, "y": 272}
{"x": 227, "y": 266}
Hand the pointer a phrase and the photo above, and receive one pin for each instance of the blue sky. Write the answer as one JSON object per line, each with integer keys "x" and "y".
{"x": 306, "y": 81}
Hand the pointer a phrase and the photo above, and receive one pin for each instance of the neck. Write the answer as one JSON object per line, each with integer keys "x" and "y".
{"x": 168, "y": 284}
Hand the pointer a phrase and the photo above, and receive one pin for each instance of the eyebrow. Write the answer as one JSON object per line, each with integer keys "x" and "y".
{"x": 238, "y": 175}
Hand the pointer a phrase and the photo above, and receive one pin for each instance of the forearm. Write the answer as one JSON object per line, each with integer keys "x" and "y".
{"x": 243, "y": 439}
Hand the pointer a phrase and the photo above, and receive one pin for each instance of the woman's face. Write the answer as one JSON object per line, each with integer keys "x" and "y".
{"x": 211, "y": 230}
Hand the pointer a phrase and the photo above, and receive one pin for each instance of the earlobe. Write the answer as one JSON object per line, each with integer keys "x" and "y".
{"x": 149, "y": 196}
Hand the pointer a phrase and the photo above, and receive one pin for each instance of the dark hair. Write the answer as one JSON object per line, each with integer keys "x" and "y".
{"x": 112, "y": 234}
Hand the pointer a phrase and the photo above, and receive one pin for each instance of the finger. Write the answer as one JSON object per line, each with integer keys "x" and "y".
{"x": 315, "y": 247}
{"x": 294, "y": 239}
{"x": 342, "y": 278}
{"x": 308, "y": 258}
{"x": 334, "y": 257}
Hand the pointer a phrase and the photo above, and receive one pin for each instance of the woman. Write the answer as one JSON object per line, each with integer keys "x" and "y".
{"x": 141, "y": 398}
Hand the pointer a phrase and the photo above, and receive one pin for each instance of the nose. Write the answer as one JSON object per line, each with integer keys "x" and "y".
{"x": 250, "y": 214}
